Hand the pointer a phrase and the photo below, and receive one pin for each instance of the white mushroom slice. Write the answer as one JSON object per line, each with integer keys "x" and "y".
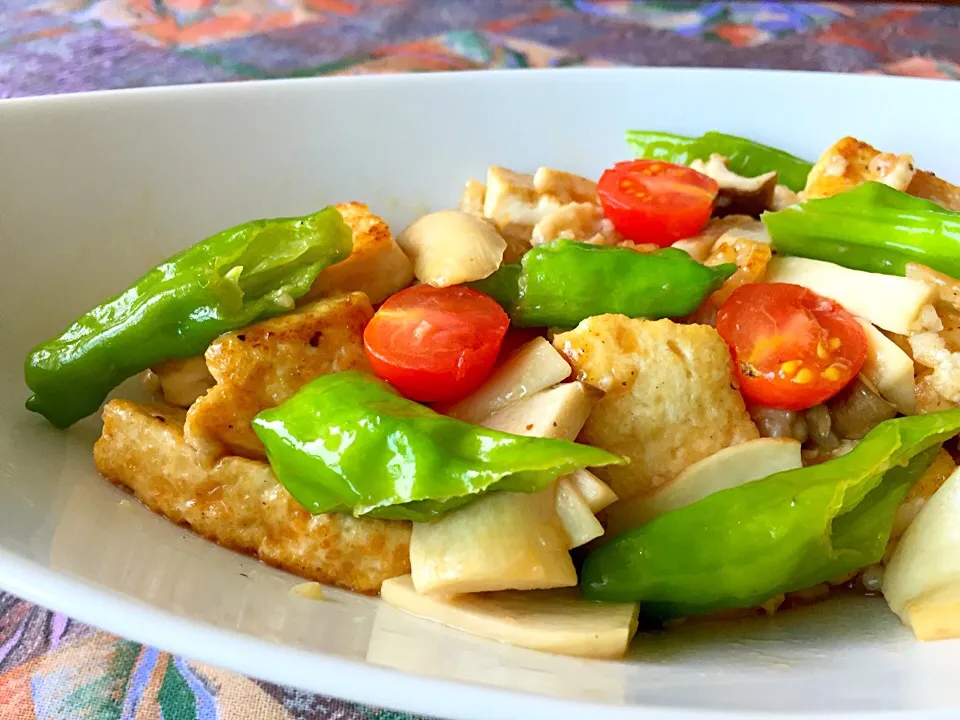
{"x": 716, "y": 168}
{"x": 889, "y": 302}
{"x": 451, "y": 247}
{"x": 728, "y": 468}
{"x": 922, "y": 580}
{"x": 532, "y": 368}
{"x": 738, "y": 194}
{"x": 557, "y": 621}
{"x": 890, "y": 369}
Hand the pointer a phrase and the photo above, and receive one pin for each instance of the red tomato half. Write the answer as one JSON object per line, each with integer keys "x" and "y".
{"x": 435, "y": 343}
{"x": 651, "y": 201}
{"x": 792, "y": 348}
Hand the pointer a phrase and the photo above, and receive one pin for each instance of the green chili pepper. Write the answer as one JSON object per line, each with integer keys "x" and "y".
{"x": 744, "y": 157}
{"x": 562, "y": 282}
{"x": 740, "y": 547}
{"x": 348, "y": 443}
{"x": 222, "y": 283}
{"x": 871, "y": 227}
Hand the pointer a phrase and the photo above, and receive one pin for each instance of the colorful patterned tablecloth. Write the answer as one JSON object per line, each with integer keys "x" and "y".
{"x": 54, "y": 668}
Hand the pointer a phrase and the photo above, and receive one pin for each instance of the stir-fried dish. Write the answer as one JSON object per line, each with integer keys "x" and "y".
{"x": 719, "y": 381}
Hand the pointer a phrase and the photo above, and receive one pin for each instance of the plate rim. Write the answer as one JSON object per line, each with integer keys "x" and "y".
{"x": 492, "y": 75}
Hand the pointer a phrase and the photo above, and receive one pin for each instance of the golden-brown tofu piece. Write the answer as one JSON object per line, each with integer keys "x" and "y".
{"x": 516, "y": 202}
{"x": 850, "y": 162}
{"x": 377, "y": 266}
{"x": 239, "y": 503}
{"x": 670, "y": 396}
{"x": 263, "y": 365}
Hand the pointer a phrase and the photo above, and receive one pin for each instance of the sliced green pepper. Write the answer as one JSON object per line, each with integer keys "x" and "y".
{"x": 225, "y": 282}
{"x": 744, "y": 157}
{"x": 871, "y": 227}
{"x": 348, "y": 442}
{"x": 562, "y": 282}
{"x": 740, "y": 547}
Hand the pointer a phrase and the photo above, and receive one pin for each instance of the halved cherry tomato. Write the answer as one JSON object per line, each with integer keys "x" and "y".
{"x": 435, "y": 343}
{"x": 651, "y": 201}
{"x": 792, "y": 348}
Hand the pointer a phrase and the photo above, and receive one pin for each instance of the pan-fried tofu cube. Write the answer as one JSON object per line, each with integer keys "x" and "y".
{"x": 239, "y": 504}
{"x": 850, "y": 162}
{"x": 516, "y": 202}
{"x": 376, "y": 267}
{"x": 565, "y": 187}
{"x": 263, "y": 365}
{"x": 512, "y": 199}
{"x": 670, "y": 396}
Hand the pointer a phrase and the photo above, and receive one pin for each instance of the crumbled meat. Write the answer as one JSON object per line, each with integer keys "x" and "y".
{"x": 750, "y": 256}
{"x": 576, "y": 221}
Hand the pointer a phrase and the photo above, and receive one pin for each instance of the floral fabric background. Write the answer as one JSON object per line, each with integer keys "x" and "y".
{"x": 55, "y": 46}
{"x": 54, "y": 668}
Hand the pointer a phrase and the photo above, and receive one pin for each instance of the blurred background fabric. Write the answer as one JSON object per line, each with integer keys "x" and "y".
{"x": 54, "y": 668}
{"x": 57, "y": 46}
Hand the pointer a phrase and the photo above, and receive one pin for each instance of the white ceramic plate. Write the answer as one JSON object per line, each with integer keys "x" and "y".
{"x": 94, "y": 189}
